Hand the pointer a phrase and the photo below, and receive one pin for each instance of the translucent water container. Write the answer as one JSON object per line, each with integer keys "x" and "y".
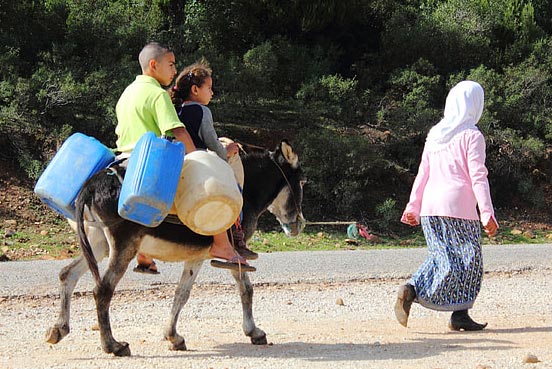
{"x": 79, "y": 158}
{"x": 208, "y": 199}
{"x": 151, "y": 179}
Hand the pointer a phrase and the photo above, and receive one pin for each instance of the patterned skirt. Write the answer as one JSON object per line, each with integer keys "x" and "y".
{"x": 450, "y": 278}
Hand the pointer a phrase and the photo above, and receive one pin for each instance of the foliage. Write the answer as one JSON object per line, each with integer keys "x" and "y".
{"x": 355, "y": 85}
{"x": 333, "y": 96}
{"x": 460, "y": 34}
{"x": 408, "y": 106}
{"x": 388, "y": 212}
{"x": 352, "y": 173}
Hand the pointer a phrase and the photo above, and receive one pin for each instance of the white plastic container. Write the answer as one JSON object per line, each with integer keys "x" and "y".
{"x": 207, "y": 199}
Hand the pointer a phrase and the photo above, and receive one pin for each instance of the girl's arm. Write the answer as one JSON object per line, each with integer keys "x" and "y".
{"x": 209, "y": 136}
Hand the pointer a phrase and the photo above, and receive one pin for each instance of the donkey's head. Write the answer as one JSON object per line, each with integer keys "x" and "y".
{"x": 286, "y": 207}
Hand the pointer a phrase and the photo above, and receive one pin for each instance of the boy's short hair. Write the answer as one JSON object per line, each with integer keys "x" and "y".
{"x": 153, "y": 50}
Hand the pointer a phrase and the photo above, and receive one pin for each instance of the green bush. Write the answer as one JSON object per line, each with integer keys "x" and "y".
{"x": 512, "y": 160}
{"x": 389, "y": 213}
{"x": 413, "y": 102}
{"x": 277, "y": 68}
{"x": 357, "y": 83}
{"x": 333, "y": 96}
{"x": 348, "y": 178}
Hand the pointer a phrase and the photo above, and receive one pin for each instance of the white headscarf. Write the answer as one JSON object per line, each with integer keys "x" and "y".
{"x": 463, "y": 110}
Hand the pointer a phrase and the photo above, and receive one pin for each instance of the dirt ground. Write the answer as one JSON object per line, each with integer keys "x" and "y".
{"x": 343, "y": 325}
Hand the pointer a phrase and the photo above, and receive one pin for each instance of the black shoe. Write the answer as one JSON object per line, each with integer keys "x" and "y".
{"x": 238, "y": 236}
{"x": 461, "y": 321}
{"x": 405, "y": 298}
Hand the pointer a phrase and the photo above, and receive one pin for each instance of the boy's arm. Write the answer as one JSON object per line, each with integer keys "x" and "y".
{"x": 167, "y": 120}
{"x": 182, "y": 135}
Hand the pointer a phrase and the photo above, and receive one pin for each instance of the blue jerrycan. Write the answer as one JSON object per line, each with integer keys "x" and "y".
{"x": 151, "y": 180}
{"x": 76, "y": 161}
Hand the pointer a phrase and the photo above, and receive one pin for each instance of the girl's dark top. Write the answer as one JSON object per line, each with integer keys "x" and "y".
{"x": 192, "y": 116}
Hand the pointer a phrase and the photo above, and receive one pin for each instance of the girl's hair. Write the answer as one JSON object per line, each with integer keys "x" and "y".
{"x": 194, "y": 74}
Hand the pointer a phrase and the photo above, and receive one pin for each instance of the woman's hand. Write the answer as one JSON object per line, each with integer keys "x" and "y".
{"x": 491, "y": 228}
{"x": 410, "y": 219}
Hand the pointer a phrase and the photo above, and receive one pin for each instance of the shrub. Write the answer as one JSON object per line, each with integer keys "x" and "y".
{"x": 515, "y": 122}
{"x": 333, "y": 96}
{"x": 261, "y": 64}
{"x": 352, "y": 173}
{"x": 276, "y": 68}
{"x": 511, "y": 161}
{"x": 413, "y": 101}
{"x": 388, "y": 212}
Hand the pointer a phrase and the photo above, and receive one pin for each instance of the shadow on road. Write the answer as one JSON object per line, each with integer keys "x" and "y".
{"x": 319, "y": 352}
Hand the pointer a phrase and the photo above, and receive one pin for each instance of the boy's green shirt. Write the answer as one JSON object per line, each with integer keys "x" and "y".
{"x": 143, "y": 107}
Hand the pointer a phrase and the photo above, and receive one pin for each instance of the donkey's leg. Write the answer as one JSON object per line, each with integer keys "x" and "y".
{"x": 182, "y": 294}
{"x": 258, "y": 336}
{"x": 103, "y": 293}
{"x": 68, "y": 278}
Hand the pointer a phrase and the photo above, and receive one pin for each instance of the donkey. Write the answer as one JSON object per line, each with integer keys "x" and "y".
{"x": 273, "y": 181}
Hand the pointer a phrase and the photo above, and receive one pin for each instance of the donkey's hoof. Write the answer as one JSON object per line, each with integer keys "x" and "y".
{"x": 124, "y": 350}
{"x": 178, "y": 343}
{"x": 179, "y": 346}
{"x": 261, "y": 340}
{"x": 56, "y": 334}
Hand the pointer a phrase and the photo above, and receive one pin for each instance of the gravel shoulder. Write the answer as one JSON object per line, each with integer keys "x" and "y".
{"x": 298, "y": 303}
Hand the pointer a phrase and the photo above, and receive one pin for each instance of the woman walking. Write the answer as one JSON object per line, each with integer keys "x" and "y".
{"x": 450, "y": 185}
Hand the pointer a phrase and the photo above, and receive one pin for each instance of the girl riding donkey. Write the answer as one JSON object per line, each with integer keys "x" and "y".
{"x": 191, "y": 93}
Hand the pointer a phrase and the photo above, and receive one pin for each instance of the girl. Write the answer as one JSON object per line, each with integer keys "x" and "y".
{"x": 451, "y": 182}
{"x": 192, "y": 92}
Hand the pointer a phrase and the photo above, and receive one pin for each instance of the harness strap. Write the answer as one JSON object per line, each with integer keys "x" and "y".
{"x": 117, "y": 162}
{"x": 288, "y": 185}
{"x": 113, "y": 172}
{"x": 173, "y": 219}
{"x": 98, "y": 224}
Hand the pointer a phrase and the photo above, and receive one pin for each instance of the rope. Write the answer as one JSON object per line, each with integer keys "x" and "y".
{"x": 330, "y": 223}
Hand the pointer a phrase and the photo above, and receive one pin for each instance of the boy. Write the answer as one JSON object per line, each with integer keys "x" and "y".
{"x": 145, "y": 106}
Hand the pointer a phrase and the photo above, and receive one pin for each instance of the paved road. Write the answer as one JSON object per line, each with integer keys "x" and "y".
{"x": 39, "y": 278}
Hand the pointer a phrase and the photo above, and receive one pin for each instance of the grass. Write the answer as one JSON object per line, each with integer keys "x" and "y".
{"x": 324, "y": 240}
{"x": 329, "y": 239}
{"x": 59, "y": 241}
{"x": 56, "y": 241}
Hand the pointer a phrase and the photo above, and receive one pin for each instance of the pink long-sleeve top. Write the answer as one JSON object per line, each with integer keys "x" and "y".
{"x": 452, "y": 181}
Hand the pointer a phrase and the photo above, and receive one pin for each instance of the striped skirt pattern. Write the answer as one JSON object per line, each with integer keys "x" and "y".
{"x": 450, "y": 277}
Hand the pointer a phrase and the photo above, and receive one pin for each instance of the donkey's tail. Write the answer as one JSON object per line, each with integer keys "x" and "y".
{"x": 85, "y": 198}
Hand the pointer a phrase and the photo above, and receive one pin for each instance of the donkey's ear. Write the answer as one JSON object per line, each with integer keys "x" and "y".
{"x": 289, "y": 155}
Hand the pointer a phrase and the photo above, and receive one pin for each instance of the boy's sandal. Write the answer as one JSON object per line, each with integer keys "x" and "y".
{"x": 237, "y": 263}
{"x": 146, "y": 269}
